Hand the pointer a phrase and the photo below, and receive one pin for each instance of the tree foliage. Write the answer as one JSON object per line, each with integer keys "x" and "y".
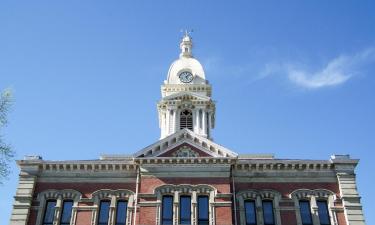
{"x": 6, "y": 153}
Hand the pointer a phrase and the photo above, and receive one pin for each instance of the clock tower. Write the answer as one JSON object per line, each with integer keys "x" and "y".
{"x": 186, "y": 96}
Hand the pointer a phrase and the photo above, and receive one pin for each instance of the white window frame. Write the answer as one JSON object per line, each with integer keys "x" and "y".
{"x": 188, "y": 190}
{"x": 313, "y": 196}
{"x": 113, "y": 196}
{"x": 60, "y": 196}
{"x": 258, "y": 196}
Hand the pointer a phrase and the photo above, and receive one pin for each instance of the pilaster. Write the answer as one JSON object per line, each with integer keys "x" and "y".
{"x": 348, "y": 189}
{"x": 24, "y": 194}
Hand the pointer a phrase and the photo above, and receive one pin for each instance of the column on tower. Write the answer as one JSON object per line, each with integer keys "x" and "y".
{"x": 209, "y": 124}
{"x": 204, "y": 123}
{"x": 174, "y": 119}
{"x": 167, "y": 122}
{"x": 197, "y": 122}
{"x": 162, "y": 123}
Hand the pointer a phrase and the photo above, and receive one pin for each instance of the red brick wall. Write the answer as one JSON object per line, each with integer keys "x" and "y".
{"x": 288, "y": 217}
{"x": 147, "y": 215}
{"x": 341, "y": 218}
{"x": 223, "y": 215}
{"x": 32, "y": 217}
{"x": 84, "y": 217}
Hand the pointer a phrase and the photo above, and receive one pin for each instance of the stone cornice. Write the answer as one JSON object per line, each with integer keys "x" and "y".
{"x": 35, "y": 166}
{"x": 113, "y": 164}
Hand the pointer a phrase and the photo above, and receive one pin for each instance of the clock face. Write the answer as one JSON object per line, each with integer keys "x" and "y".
{"x": 186, "y": 77}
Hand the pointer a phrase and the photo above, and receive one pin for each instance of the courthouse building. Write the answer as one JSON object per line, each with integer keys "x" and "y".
{"x": 187, "y": 178}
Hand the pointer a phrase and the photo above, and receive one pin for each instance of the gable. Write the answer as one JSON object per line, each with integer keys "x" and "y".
{"x": 185, "y": 150}
{"x": 168, "y": 146}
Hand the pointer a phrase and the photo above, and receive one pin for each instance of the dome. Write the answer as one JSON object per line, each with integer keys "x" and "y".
{"x": 186, "y": 64}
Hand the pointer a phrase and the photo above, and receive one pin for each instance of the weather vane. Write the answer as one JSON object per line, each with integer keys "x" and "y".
{"x": 186, "y": 32}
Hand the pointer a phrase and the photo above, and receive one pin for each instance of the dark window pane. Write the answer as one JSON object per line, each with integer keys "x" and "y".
{"x": 121, "y": 212}
{"x": 167, "y": 210}
{"x": 202, "y": 210}
{"x": 250, "y": 212}
{"x": 103, "y": 213}
{"x": 323, "y": 213}
{"x": 66, "y": 213}
{"x": 268, "y": 213}
{"x": 305, "y": 211}
{"x": 185, "y": 210}
{"x": 49, "y": 212}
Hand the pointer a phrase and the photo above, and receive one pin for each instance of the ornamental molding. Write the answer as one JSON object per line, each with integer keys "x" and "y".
{"x": 59, "y": 194}
{"x": 263, "y": 194}
{"x": 185, "y": 151}
{"x": 308, "y": 194}
{"x": 184, "y": 95}
{"x": 109, "y": 194}
{"x": 185, "y": 188}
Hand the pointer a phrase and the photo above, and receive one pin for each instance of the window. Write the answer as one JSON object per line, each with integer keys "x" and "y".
{"x": 104, "y": 212}
{"x": 167, "y": 210}
{"x": 177, "y": 205}
{"x": 304, "y": 207}
{"x": 66, "y": 213}
{"x": 49, "y": 212}
{"x": 203, "y": 210}
{"x": 250, "y": 212}
{"x": 323, "y": 212}
{"x": 268, "y": 213}
{"x": 258, "y": 207}
{"x": 186, "y": 119}
{"x": 121, "y": 211}
{"x": 317, "y": 201}
{"x": 185, "y": 210}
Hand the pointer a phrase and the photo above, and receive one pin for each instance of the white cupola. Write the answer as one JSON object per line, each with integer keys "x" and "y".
{"x": 186, "y": 96}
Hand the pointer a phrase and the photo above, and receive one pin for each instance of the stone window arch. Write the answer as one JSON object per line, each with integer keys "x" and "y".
{"x": 113, "y": 196}
{"x": 186, "y": 190}
{"x": 59, "y": 196}
{"x": 258, "y": 196}
{"x": 313, "y": 196}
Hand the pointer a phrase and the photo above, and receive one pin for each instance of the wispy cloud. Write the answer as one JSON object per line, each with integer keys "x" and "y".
{"x": 337, "y": 71}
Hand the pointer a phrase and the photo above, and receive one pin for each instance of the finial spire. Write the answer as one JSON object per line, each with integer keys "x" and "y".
{"x": 186, "y": 44}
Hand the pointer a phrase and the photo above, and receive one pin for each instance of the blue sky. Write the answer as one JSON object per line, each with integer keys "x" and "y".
{"x": 294, "y": 78}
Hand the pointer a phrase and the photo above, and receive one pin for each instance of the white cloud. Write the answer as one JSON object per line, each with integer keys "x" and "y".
{"x": 337, "y": 71}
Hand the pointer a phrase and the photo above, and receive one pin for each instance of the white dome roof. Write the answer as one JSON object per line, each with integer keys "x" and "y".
{"x": 186, "y": 64}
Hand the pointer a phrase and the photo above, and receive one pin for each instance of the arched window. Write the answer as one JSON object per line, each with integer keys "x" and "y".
{"x": 259, "y": 207}
{"x": 323, "y": 212}
{"x": 186, "y": 119}
{"x": 104, "y": 212}
{"x": 186, "y": 204}
{"x": 203, "y": 211}
{"x": 49, "y": 213}
{"x": 167, "y": 210}
{"x": 268, "y": 217}
{"x": 185, "y": 209}
{"x": 314, "y": 206}
{"x": 250, "y": 212}
{"x": 121, "y": 212}
{"x": 305, "y": 211}
{"x": 113, "y": 206}
{"x": 57, "y": 206}
{"x": 66, "y": 213}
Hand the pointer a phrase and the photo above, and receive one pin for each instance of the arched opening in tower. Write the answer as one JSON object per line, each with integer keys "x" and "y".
{"x": 186, "y": 119}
